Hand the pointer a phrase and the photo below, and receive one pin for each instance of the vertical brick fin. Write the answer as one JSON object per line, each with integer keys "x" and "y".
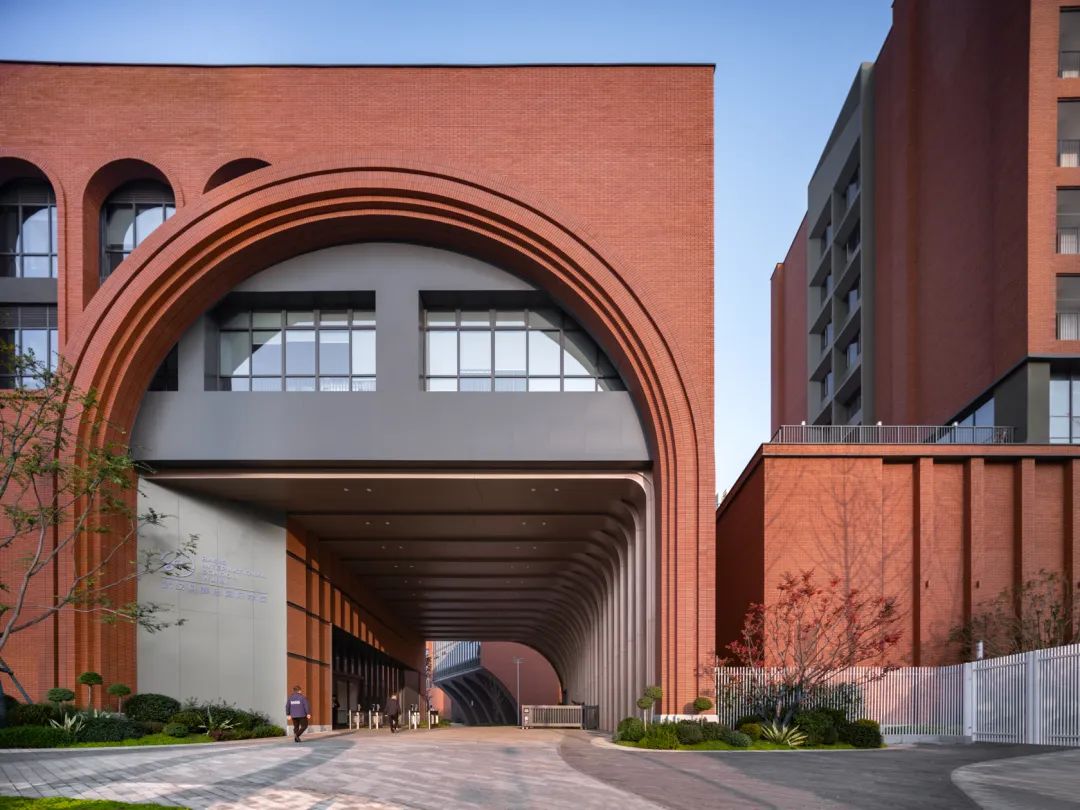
{"x": 921, "y": 544}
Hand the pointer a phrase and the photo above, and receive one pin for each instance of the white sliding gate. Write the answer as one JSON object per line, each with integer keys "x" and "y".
{"x": 1025, "y": 698}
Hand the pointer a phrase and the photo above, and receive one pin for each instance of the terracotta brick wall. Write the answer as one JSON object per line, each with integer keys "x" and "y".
{"x": 943, "y": 530}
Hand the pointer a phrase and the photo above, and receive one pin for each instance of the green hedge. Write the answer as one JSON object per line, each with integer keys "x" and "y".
{"x": 109, "y": 728}
{"x": 33, "y": 737}
{"x": 267, "y": 730}
{"x": 689, "y": 732}
{"x": 661, "y": 736}
{"x": 713, "y": 731}
{"x": 32, "y": 714}
{"x": 736, "y": 739}
{"x": 863, "y": 733}
{"x": 630, "y": 729}
{"x": 178, "y": 730}
{"x": 147, "y": 707}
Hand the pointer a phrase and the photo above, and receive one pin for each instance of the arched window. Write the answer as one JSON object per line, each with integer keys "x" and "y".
{"x": 27, "y": 230}
{"x": 130, "y": 214}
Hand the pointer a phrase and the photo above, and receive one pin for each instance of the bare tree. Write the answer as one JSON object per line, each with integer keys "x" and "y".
{"x": 812, "y": 632}
{"x": 1041, "y": 613}
{"x": 66, "y": 487}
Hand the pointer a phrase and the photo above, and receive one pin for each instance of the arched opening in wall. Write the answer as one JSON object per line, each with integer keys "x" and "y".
{"x": 124, "y": 202}
{"x": 29, "y": 236}
{"x": 404, "y": 444}
{"x": 232, "y": 170}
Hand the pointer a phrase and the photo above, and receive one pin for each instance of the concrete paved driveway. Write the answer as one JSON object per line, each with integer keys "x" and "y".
{"x": 508, "y": 768}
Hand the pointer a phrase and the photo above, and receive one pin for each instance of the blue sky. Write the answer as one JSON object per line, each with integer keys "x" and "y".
{"x": 782, "y": 70}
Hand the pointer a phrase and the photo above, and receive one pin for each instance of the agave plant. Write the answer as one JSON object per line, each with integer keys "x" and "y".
{"x": 790, "y": 736}
{"x": 217, "y": 724}
{"x": 73, "y": 723}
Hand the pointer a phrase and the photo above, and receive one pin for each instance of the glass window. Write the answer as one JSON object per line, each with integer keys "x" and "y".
{"x": 475, "y": 349}
{"x": 31, "y": 331}
{"x": 1064, "y": 409}
{"x": 129, "y": 215}
{"x": 28, "y": 232}
{"x": 316, "y": 351}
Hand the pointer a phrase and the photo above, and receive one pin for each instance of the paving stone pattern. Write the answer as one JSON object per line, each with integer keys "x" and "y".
{"x": 446, "y": 768}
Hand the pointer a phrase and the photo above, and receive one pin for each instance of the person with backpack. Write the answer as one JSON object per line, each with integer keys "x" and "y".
{"x": 298, "y": 710}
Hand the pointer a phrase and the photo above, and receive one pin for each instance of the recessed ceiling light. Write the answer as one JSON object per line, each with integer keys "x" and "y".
{"x": 383, "y": 548}
{"x": 388, "y": 523}
{"x": 367, "y": 489}
{"x": 556, "y": 489}
{"x": 345, "y": 488}
{"x": 532, "y": 489}
{"x": 524, "y": 522}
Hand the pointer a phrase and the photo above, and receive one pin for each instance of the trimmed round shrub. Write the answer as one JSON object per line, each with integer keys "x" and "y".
{"x": 150, "y": 726}
{"x": 736, "y": 739}
{"x": 661, "y": 737}
{"x": 702, "y": 704}
{"x": 751, "y": 730}
{"x": 109, "y": 728}
{"x": 838, "y": 716}
{"x": 149, "y": 706}
{"x": 59, "y": 694}
{"x": 815, "y": 725}
{"x": 32, "y": 714}
{"x": 178, "y": 730}
{"x": 831, "y": 736}
{"x": 654, "y": 692}
{"x": 192, "y": 718}
{"x": 863, "y": 733}
{"x": 267, "y": 730}
{"x": 689, "y": 732}
{"x": 34, "y": 737}
{"x": 645, "y": 703}
{"x": 712, "y": 731}
{"x": 630, "y": 729}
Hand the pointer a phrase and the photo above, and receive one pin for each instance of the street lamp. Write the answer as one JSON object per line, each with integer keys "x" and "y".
{"x": 517, "y": 696}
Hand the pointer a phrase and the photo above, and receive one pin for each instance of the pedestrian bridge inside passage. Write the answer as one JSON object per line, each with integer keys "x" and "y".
{"x": 379, "y": 445}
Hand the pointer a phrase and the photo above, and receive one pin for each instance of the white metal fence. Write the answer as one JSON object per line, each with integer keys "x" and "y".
{"x": 1025, "y": 698}
{"x": 551, "y": 716}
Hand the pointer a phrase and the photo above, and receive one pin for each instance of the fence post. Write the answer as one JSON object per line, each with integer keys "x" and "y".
{"x": 967, "y": 691}
{"x": 1028, "y": 712}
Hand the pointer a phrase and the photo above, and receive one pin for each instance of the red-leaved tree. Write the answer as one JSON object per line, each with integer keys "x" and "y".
{"x": 809, "y": 635}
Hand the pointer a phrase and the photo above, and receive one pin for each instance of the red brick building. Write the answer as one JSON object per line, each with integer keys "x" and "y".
{"x": 933, "y": 282}
{"x": 218, "y": 234}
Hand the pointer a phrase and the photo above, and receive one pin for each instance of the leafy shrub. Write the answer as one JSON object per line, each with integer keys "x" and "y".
{"x": 59, "y": 695}
{"x": 831, "y": 736}
{"x": 268, "y": 730}
{"x": 689, "y": 732}
{"x": 702, "y": 704}
{"x": 815, "y": 724}
{"x": 630, "y": 729}
{"x": 119, "y": 691}
{"x": 661, "y": 737}
{"x": 149, "y": 706}
{"x": 736, "y": 739}
{"x": 31, "y": 714}
{"x": 751, "y": 730}
{"x": 712, "y": 731}
{"x": 654, "y": 692}
{"x": 109, "y": 728}
{"x": 863, "y": 733}
{"x": 178, "y": 730}
{"x": 71, "y": 723}
{"x": 838, "y": 716}
{"x": 645, "y": 703}
{"x": 791, "y": 736}
{"x": 150, "y": 726}
{"x": 34, "y": 737}
{"x": 192, "y": 718}
{"x": 748, "y": 718}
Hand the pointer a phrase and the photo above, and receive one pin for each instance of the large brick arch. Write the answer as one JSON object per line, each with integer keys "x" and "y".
{"x": 236, "y": 230}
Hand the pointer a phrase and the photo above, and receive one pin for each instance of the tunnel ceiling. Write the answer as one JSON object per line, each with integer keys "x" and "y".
{"x": 507, "y": 556}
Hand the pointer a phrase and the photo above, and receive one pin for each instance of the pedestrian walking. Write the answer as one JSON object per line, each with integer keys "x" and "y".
{"x": 299, "y": 711}
{"x": 393, "y": 711}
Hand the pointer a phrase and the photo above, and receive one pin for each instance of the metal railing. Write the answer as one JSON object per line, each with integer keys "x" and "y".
{"x": 1069, "y": 64}
{"x": 893, "y": 434}
{"x": 1024, "y": 698}
{"x": 552, "y": 716}
{"x": 1069, "y": 153}
{"x": 1068, "y": 326}
{"x": 455, "y": 657}
{"x": 1068, "y": 240}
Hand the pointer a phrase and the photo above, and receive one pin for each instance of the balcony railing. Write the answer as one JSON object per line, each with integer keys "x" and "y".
{"x": 1068, "y": 240}
{"x": 1069, "y": 64}
{"x": 1069, "y": 153}
{"x": 893, "y": 434}
{"x": 1068, "y": 326}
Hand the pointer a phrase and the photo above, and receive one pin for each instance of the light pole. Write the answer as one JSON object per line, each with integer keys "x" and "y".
{"x": 517, "y": 695}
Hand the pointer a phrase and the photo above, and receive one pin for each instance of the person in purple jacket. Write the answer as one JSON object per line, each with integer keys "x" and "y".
{"x": 298, "y": 710}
